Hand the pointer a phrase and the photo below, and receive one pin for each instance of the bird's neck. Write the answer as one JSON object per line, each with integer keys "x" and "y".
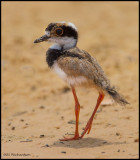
{"x": 65, "y": 43}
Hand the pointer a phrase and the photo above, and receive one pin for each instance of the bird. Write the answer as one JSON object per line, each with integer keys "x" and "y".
{"x": 77, "y": 68}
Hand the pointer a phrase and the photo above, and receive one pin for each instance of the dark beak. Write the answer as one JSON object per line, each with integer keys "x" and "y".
{"x": 41, "y": 39}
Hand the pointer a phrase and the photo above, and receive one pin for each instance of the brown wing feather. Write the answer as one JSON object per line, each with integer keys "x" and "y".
{"x": 87, "y": 67}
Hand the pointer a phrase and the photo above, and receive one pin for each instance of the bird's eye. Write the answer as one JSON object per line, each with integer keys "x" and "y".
{"x": 59, "y": 31}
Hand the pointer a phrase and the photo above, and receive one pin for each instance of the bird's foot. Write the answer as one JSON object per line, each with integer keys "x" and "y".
{"x": 87, "y": 128}
{"x": 76, "y": 137}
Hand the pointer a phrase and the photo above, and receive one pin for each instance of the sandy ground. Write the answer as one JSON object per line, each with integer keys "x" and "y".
{"x": 38, "y": 107}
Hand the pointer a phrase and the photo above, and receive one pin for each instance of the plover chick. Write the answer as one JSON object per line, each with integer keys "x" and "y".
{"x": 76, "y": 67}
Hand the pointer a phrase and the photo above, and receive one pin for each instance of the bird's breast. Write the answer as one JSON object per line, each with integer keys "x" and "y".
{"x": 59, "y": 71}
{"x": 71, "y": 80}
{"x": 52, "y": 55}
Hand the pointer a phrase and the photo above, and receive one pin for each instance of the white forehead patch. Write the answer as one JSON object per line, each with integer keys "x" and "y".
{"x": 69, "y": 24}
{"x": 72, "y": 25}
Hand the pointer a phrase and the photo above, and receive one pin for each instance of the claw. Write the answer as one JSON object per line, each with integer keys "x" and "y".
{"x": 76, "y": 137}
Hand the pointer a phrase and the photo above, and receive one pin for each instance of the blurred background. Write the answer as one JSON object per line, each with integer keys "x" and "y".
{"x": 107, "y": 30}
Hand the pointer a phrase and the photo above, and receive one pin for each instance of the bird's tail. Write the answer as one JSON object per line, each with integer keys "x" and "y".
{"x": 116, "y": 96}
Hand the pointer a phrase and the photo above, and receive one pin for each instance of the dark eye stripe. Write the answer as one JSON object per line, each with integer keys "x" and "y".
{"x": 69, "y": 32}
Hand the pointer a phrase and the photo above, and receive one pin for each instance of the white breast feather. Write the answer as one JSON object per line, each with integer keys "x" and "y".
{"x": 59, "y": 71}
{"x": 76, "y": 80}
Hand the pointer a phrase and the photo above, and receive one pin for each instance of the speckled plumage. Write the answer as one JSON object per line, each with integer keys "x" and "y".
{"x": 76, "y": 67}
{"x": 75, "y": 62}
{"x": 87, "y": 66}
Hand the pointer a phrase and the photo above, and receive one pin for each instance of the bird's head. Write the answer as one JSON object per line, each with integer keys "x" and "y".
{"x": 63, "y": 35}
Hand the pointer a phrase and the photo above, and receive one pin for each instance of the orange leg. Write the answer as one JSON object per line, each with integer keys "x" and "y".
{"x": 77, "y": 110}
{"x": 89, "y": 124}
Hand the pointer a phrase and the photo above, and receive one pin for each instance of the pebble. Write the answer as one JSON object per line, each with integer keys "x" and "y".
{"x": 102, "y": 152}
{"x": 42, "y": 107}
{"x": 62, "y": 117}
{"x": 13, "y": 128}
{"x": 81, "y": 107}
{"x": 42, "y": 135}
{"x": 73, "y": 122}
{"x": 63, "y": 152}
{"x": 27, "y": 140}
{"x": 117, "y": 134}
{"x": 33, "y": 88}
{"x": 104, "y": 142}
{"x": 62, "y": 142}
{"x": 136, "y": 140}
{"x": 65, "y": 89}
{"x": 99, "y": 110}
{"x": 19, "y": 113}
{"x": 46, "y": 145}
{"x": 9, "y": 124}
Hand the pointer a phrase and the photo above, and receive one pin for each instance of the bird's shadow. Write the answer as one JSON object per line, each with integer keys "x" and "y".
{"x": 84, "y": 143}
